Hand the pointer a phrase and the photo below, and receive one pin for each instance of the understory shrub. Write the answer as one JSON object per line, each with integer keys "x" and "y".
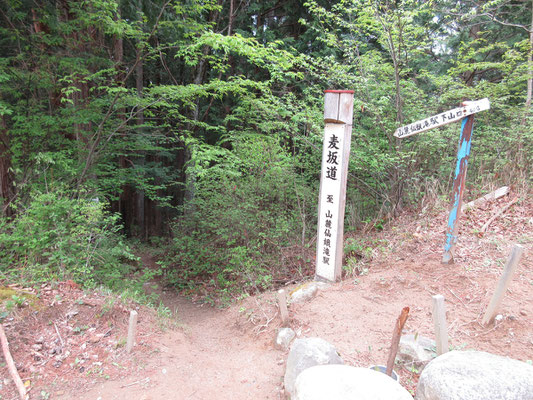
{"x": 56, "y": 238}
{"x": 245, "y": 216}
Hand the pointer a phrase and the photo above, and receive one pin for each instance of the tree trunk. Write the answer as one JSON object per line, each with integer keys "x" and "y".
{"x": 140, "y": 203}
{"x": 6, "y": 174}
{"x": 530, "y": 72}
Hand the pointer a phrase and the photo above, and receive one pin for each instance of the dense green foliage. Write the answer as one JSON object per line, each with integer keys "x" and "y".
{"x": 58, "y": 238}
{"x": 201, "y": 121}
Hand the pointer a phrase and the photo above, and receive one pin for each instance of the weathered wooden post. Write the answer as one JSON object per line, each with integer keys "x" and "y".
{"x": 132, "y": 329}
{"x": 338, "y": 112}
{"x": 466, "y": 113}
{"x": 503, "y": 284}
{"x": 441, "y": 327}
{"x": 284, "y": 312}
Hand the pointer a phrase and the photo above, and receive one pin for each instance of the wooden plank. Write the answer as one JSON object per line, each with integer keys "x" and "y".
{"x": 439, "y": 320}
{"x": 496, "y": 194}
{"x": 447, "y": 117}
{"x": 132, "y": 329}
{"x": 331, "y": 106}
{"x": 282, "y": 301}
{"x": 346, "y": 107}
{"x": 503, "y": 284}
{"x": 461, "y": 167}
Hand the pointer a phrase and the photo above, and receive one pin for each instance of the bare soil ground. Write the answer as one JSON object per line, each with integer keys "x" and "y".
{"x": 72, "y": 344}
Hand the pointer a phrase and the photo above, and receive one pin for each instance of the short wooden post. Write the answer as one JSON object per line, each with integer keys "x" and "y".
{"x": 132, "y": 328}
{"x": 395, "y": 342}
{"x": 458, "y": 188}
{"x": 282, "y": 301}
{"x": 338, "y": 112}
{"x": 441, "y": 329}
{"x": 503, "y": 284}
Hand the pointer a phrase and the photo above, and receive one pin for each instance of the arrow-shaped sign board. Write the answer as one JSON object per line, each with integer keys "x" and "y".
{"x": 468, "y": 108}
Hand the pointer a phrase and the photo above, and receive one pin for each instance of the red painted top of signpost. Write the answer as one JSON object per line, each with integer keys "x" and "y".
{"x": 339, "y": 91}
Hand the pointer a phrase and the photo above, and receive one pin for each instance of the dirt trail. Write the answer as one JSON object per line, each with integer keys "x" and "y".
{"x": 207, "y": 357}
{"x": 217, "y": 354}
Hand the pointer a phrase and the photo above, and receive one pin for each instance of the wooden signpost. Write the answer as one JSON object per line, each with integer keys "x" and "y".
{"x": 466, "y": 113}
{"x": 338, "y": 112}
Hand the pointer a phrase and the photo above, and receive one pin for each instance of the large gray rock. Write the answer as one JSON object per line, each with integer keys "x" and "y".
{"x": 416, "y": 351}
{"x": 306, "y": 353}
{"x": 342, "y": 382}
{"x": 475, "y": 375}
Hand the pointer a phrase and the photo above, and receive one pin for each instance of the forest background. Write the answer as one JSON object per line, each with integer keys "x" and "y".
{"x": 196, "y": 126}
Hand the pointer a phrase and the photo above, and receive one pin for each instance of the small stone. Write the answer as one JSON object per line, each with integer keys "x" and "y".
{"x": 164, "y": 371}
{"x": 304, "y": 292}
{"x": 37, "y": 346}
{"x": 284, "y": 338}
{"x": 498, "y": 317}
{"x": 523, "y": 313}
{"x": 306, "y": 353}
{"x": 416, "y": 351}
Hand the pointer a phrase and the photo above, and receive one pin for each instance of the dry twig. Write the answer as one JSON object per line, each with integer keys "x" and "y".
{"x": 11, "y": 365}
{"x": 500, "y": 212}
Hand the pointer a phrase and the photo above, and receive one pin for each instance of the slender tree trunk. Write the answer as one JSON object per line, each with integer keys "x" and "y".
{"x": 6, "y": 174}
{"x": 530, "y": 72}
{"x": 140, "y": 203}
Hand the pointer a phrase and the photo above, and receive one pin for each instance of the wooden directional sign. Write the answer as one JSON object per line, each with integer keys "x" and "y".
{"x": 444, "y": 118}
{"x": 466, "y": 114}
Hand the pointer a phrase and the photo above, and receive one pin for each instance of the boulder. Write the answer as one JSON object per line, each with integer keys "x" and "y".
{"x": 306, "y": 353}
{"x": 416, "y": 351}
{"x": 475, "y": 375}
{"x": 304, "y": 292}
{"x": 284, "y": 338}
{"x": 342, "y": 382}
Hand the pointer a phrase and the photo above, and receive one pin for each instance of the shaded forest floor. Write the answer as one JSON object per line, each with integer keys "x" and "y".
{"x": 70, "y": 343}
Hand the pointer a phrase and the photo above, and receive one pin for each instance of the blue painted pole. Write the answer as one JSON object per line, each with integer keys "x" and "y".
{"x": 463, "y": 153}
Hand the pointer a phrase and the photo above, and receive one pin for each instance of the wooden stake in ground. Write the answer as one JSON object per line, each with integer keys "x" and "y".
{"x": 396, "y": 335}
{"x": 441, "y": 327}
{"x": 132, "y": 328}
{"x": 503, "y": 284}
{"x": 282, "y": 300}
{"x": 11, "y": 364}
